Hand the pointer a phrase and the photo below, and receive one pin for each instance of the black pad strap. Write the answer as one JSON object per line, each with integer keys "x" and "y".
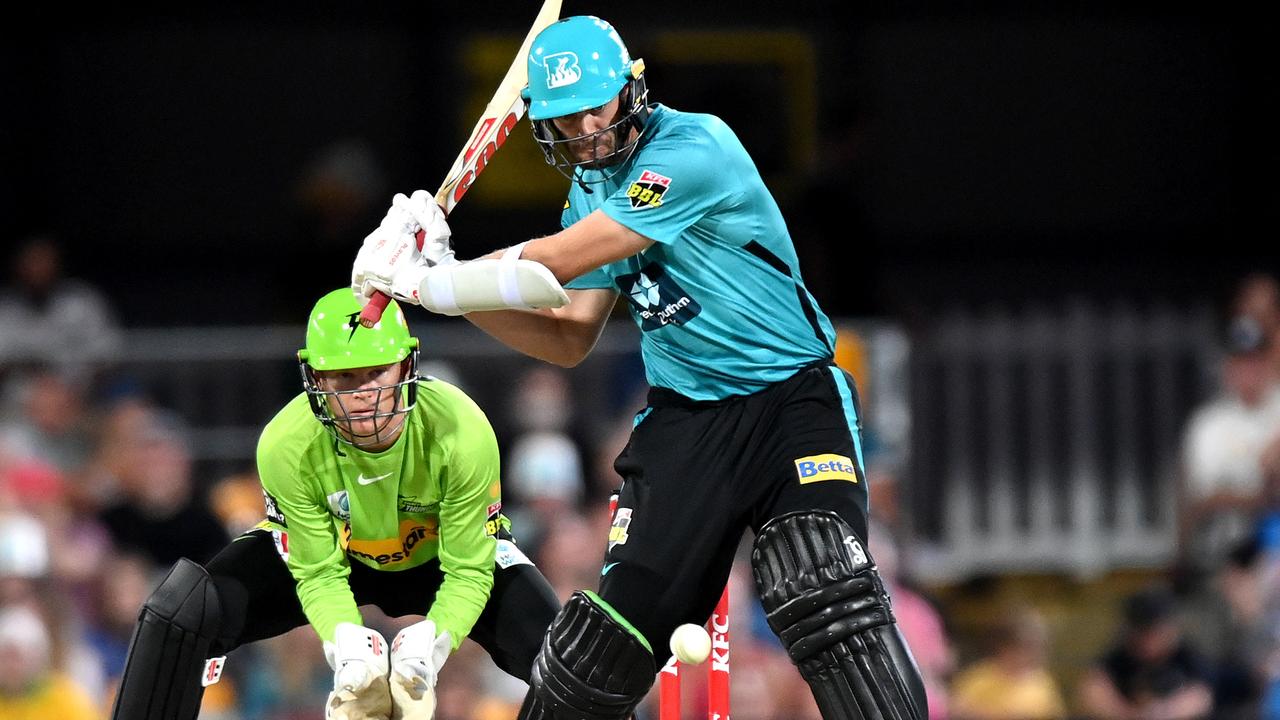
{"x": 824, "y": 599}
{"x": 590, "y": 667}
{"x": 176, "y": 628}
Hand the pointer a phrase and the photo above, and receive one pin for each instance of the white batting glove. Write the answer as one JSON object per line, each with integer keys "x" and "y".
{"x": 421, "y": 206}
{"x": 417, "y": 654}
{"x": 360, "y": 662}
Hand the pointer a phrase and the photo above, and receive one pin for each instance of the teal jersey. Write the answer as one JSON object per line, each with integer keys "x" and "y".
{"x": 434, "y": 494}
{"x": 718, "y": 297}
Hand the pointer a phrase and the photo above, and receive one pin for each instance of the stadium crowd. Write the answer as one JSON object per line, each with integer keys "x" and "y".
{"x": 99, "y": 495}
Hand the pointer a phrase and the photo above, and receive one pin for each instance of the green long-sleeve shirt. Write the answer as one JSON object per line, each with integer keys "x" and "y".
{"x": 433, "y": 494}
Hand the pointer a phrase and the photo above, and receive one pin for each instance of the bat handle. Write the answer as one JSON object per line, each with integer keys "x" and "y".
{"x": 372, "y": 311}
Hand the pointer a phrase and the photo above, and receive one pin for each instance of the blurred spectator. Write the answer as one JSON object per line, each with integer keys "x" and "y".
{"x": 1152, "y": 673}
{"x": 542, "y": 466}
{"x": 159, "y": 513}
{"x": 544, "y": 473}
{"x": 1258, "y": 296}
{"x": 1013, "y": 682}
{"x": 24, "y": 557}
{"x": 29, "y": 579}
{"x": 1224, "y": 448}
{"x": 117, "y": 452}
{"x": 49, "y": 423}
{"x": 47, "y": 319}
{"x": 39, "y": 489}
{"x": 30, "y": 688}
{"x": 572, "y": 553}
{"x": 918, "y": 620}
{"x": 123, "y": 584}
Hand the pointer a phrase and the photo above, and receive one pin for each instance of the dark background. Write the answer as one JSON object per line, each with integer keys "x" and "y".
{"x": 967, "y": 154}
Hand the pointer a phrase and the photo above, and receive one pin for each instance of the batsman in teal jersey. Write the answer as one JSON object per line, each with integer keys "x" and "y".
{"x": 381, "y": 487}
{"x": 749, "y": 424}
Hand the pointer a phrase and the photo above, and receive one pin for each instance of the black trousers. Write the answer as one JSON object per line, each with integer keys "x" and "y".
{"x": 260, "y": 597}
{"x": 696, "y": 475}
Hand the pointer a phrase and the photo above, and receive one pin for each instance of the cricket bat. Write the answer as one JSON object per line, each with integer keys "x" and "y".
{"x": 497, "y": 121}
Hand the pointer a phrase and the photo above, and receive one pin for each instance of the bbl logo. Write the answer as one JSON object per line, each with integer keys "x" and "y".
{"x": 647, "y": 192}
{"x": 656, "y": 299}
{"x": 618, "y": 533}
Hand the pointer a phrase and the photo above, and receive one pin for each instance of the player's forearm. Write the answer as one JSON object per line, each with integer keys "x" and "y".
{"x": 460, "y": 600}
{"x": 327, "y": 600}
{"x": 539, "y": 334}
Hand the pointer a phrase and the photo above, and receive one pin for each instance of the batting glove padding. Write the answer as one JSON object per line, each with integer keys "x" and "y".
{"x": 427, "y": 215}
{"x": 389, "y": 260}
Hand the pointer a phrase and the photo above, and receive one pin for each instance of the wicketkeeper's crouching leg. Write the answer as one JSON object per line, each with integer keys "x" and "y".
{"x": 593, "y": 665}
{"x": 826, "y": 602}
{"x": 187, "y": 620}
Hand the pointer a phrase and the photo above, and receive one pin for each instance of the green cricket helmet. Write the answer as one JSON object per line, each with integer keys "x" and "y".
{"x": 337, "y": 341}
{"x": 577, "y": 64}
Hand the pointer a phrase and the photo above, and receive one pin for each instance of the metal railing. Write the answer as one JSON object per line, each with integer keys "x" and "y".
{"x": 1040, "y": 441}
{"x": 1049, "y": 440}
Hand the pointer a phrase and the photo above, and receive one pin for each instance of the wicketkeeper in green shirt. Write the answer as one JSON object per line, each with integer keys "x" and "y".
{"x": 381, "y": 487}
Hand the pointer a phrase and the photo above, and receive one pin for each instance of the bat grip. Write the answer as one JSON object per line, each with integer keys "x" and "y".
{"x": 372, "y": 311}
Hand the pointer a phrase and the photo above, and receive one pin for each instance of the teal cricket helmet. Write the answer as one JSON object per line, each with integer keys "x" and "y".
{"x": 577, "y": 64}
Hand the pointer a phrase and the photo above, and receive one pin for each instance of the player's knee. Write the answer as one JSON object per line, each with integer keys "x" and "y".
{"x": 593, "y": 664}
{"x": 826, "y": 602}
{"x": 186, "y": 599}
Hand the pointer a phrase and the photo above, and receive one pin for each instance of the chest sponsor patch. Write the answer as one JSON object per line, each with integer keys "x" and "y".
{"x": 647, "y": 191}
{"x": 829, "y": 466}
{"x": 656, "y": 298}
{"x": 411, "y": 504}
{"x": 389, "y": 551}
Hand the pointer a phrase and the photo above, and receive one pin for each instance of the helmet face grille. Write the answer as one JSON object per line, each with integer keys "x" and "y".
{"x": 556, "y": 148}
{"x": 329, "y": 407}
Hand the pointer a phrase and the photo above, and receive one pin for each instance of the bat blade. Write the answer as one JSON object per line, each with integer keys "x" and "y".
{"x": 499, "y": 118}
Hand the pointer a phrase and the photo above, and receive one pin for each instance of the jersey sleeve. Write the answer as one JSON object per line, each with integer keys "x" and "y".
{"x": 676, "y": 181}
{"x": 315, "y": 558}
{"x": 467, "y": 548}
{"x": 597, "y": 279}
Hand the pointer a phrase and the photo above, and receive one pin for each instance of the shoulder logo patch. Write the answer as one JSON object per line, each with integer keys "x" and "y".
{"x": 648, "y": 189}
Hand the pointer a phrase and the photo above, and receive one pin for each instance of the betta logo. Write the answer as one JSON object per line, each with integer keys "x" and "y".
{"x": 562, "y": 69}
{"x": 829, "y": 466}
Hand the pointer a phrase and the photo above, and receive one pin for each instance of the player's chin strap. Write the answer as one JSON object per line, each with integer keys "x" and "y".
{"x": 505, "y": 283}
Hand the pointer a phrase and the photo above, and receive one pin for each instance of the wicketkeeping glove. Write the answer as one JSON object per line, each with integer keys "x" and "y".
{"x": 417, "y": 654}
{"x": 358, "y": 656}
